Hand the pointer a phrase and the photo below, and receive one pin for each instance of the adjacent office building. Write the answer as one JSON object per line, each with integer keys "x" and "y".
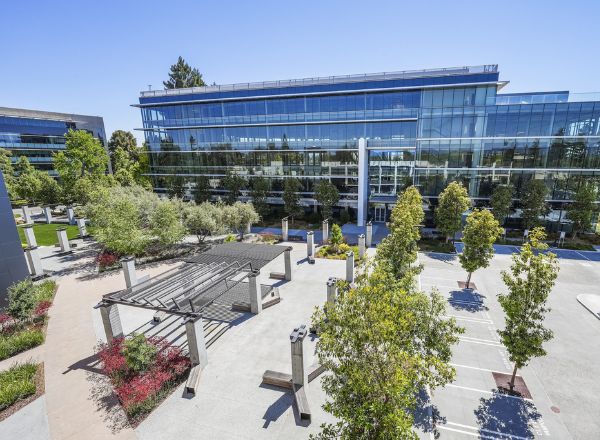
{"x": 38, "y": 134}
{"x": 372, "y": 135}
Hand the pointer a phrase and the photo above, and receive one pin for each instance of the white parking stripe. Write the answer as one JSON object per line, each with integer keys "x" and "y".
{"x": 466, "y": 318}
{"x": 491, "y": 341}
{"x": 488, "y": 431}
{"x": 488, "y": 392}
{"x": 479, "y": 368}
{"x": 492, "y": 344}
{"x": 579, "y": 253}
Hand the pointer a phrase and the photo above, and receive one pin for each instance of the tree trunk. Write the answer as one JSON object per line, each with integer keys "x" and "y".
{"x": 468, "y": 280}
{"x": 512, "y": 379}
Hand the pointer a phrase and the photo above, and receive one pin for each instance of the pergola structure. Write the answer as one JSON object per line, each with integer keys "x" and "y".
{"x": 223, "y": 276}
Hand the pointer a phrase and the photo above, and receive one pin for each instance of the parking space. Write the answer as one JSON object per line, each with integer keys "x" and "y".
{"x": 567, "y": 254}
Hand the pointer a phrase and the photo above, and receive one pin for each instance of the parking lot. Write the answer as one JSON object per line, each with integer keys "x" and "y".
{"x": 565, "y": 392}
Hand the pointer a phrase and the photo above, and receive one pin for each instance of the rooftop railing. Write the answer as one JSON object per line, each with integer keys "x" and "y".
{"x": 466, "y": 70}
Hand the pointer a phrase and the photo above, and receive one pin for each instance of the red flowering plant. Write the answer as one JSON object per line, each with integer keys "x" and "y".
{"x": 143, "y": 371}
{"x": 106, "y": 259}
{"x": 41, "y": 309}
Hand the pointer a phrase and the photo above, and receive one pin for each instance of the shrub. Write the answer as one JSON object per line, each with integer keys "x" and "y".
{"x": 230, "y": 238}
{"x": 21, "y": 300}
{"x": 41, "y": 309}
{"x": 336, "y": 237}
{"x": 20, "y": 341}
{"x": 16, "y": 383}
{"x": 44, "y": 291}
{"x": 106, "y": 259}
{"x": 139, "y": 353}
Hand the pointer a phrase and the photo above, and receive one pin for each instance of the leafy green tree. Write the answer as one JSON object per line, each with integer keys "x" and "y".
{"x": 202, "y": 189}
{"x": 453, "y": 202}
{"x": 183, "y": 75}
{"x": 238, "y": 216}
{"x": 83, "y": 156}
{"x": 259, "y": 193}
{"x": 234, "y": 184}
{"x": 291, "y": 198}
{"x": 175, "y": 187}
{"x": 166, "y": 223}
{"x": 529, "y": 281}
{"x": 327, "y": 195}
{"x": 479, "y": 235}
{"x": 501, "y": 202}
{"x": 8, "y": 172}
{"x": 124, "y": 140}
{"x": 21, "y": 300}
{"x": 582, "y": 210}
{"x": 203, "y": 219}
{"x": 381, "y": 345}
{"x": 28, "y": 182}
{"x": 84, "y": 189}
{"x": 533, "y": 201}
{"x": 49, "y": 192}
{"x": 337, "y": 238}
{"x": 398, "y": 251}
{"x": 125, "y": 169}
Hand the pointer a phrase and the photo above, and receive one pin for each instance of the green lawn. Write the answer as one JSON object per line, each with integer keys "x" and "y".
{"x": 46, "y": 234}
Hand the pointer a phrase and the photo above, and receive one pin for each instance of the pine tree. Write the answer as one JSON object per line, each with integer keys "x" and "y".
{"x": 183, "y": 75}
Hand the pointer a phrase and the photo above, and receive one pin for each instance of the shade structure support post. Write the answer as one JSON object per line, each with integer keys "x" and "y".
{"x": 194, "y": 330}
{"x": 255, "y": 292}
{"x": 111, "y": 321}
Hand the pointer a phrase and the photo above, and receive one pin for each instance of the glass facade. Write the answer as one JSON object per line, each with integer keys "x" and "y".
{"x": 37, "y": 135}
{"x": 423, "y": 128}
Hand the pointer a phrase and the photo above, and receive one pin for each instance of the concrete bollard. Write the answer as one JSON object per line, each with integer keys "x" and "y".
{"x": 361, "y": 246}
{"x": 26, "y": 214}
{"x": 284, "y": 229}
{"x": 331, "y": 290}
{"x": 350, "y": 267}
{"x": 30, "y": 236}
{"x": 82, "y": 228}
{"x": 128, "y": 265}
{"x": 255, "y": 293}
{"x": 111, "y": 322}
{"x": 310, "y": 244}
{"x": 35, "y": 262}
{"x": 369, "y": 240}
{"x": 287, "y": 257}
{"x": 48, "y": 214}
{"x": 71, "y": 215}
{"x": 325, "y": 231}
{"x": 299, "y": 367}
{"x": 63, "y": 241}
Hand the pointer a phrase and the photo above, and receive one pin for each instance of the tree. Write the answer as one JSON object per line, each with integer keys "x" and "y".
{"x": 381, "y": 345}
{"x": 124, "y": 168}
{"x": 239, "y": 215}
{"x": 259, "y": 193}
{"x": 453, "y": 202}
{"x": 49, "y": 192}
{"x": 27, "y": 182}
{"x": 124, "y": 140}
{"x": 533, "y": 201}
{"x": 183, "y": 75}
{"x": 201, "y": 190}
{"x": 582, "y": 210}
{"x": 166, "y": 224}
{"x": 176, "y": 187}
{"x": 337, "y": 238}
{"x": 529, "y": 282}
{"x": 398, "y": 251}
{"x": 479, "y": 235}
{"x": 234, "y": 184}
{"x": 327, "y": 195}
{"x": 203, "y": 219}
{"x": 291, "y": 198}
{"x": 501, "y": 202}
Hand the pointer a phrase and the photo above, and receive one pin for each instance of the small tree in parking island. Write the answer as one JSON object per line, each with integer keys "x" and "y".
{"x": 533, "y": 201}
{"x": 501, "y": 202}
{"x": 529, "y": 281}
{"x": 479, "y": 235}
{"x": 291, "y": 198}
{"x": 582, "y": 210}
{"x": 327, "y": 195}
{"x": 453, "y": 201}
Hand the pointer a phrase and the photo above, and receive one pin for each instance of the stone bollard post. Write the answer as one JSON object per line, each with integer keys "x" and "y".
{"x": 361, "y": 246}
{"x": 350, "y": 267}
{"x": 82, "y": 228}
{"x": 310, "y": 244}
{"x": 284, "y": 229}
{"x": 35, "y": 262}
{"x": 331, "y": 290}
{"x": 48, "y": 214}
{"x": 299, "y": 367}
{"x": 30, "y": 236}
{"x": 325, "y": 231}
{"x": 255, "y": 293}
{"x": 287, "y": 257}
{"x": 128, "y": 264}
{"x": 71, "y": 215}
{"x": 26, "y": 214}
{"x": 63, "y": 241}
{"x": 369, "y": 240}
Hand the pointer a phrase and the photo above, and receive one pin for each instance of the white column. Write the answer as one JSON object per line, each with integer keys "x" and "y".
{"x": 48, "y": 214}
{"x": 363, "y": 181}
{"x": 369, "y": 240}
{"x": 361, "y": 246}
{"x": 71, "y": 215}
{"x": 255, "y": 293}
{"x": 325, "y": 231}
{"x": 82, "y": 228}
{"x": 310, "y": 244}
{"x": 128, "y": 264}
{"x": 350, "y": 267}
{"x": 284, "y": 229}
{"x": 26, "y": 214}
{"x": 111, "y": 322}
{"x": 331, "y": 290}
{"x": 287, "y": 257}
{"x": 248, "y": 228}
{"x": 30, "y": 236}
{"x": 63, "y": 240}
{"x": 194, "y": 331}
{"x": 299, "y": 367}
{"x": 35, "y": 262}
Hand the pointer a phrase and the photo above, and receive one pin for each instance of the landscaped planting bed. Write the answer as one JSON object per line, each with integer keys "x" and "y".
{"x": 19, "y": 385}
{"x": 45, "y": 234}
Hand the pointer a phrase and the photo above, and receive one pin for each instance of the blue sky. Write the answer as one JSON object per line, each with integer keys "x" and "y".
{"x": 93, "y": 57}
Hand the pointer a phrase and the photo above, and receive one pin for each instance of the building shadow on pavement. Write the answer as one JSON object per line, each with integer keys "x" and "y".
{"x": 508, "y": 415}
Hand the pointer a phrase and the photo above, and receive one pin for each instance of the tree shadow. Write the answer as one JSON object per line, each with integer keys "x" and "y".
{"x": 427, "y": 415}
{"x": 508, "y": 415}
{"x": 446, "y": 258}
{"x": 467, "y": 300}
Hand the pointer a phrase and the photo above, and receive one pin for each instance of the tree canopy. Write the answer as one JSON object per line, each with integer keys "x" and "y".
{"x": 453, "y": 202}
{"x": 533, "y": 201}
{"x": 234, "y": 184}
{"x": 183, "y": 75}
{"x": 501, "y": 202}
{"x": 259, "y": 192}
{"x": 291, "y": 198}
{"x": 83, "y": 156}
{"x": 582, "y": 210}
{"x": 327, "y": 195}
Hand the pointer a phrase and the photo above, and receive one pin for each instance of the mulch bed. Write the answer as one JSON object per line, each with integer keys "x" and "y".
{"x": 503, "y": 383}
{"x": 39, "y": 390}
{"x": 463, "y": 285}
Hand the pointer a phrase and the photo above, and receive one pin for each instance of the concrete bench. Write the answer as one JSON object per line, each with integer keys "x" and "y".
{"x": 191, "y": 384}
{"x": 302, "y": 402}
{"x": 277, "y": 379}
{"x": 277, "y": 275}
